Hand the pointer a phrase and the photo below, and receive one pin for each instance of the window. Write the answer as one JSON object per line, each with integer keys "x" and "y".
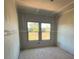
{"x": 45, "y": 29}
{"x": 33, "y": 30}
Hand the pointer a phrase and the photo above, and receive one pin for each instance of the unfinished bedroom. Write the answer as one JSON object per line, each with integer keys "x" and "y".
{"x": 39, "y": 29}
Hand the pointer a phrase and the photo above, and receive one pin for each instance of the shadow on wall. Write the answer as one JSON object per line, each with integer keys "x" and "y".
{"x": 36, "y": 11}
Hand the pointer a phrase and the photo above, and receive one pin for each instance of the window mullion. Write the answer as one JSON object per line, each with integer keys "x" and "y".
{"x": 40, "y": 37}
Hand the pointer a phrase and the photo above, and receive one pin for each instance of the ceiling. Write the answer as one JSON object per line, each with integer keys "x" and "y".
{"x": 55, "y": 5}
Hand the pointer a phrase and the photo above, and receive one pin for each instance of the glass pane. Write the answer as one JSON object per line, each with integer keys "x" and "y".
{"x": 33, "y": 35}
{"x": 45, "y": 27}
{"x": 33, "y": 29}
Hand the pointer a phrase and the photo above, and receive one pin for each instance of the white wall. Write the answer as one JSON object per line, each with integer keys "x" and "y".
{"x": 66, "y": 32}
{"x": 11, "y": 41}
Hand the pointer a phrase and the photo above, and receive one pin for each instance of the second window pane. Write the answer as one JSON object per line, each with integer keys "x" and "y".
{"x": 45, "y": 29}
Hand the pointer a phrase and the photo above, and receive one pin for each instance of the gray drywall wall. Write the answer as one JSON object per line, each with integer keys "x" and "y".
{"x": 11, "y": 41}
{"x": 66, "y": 32}
{"x": 25, "y": 17}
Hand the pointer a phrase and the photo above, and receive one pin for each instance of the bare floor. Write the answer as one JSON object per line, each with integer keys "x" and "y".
{"x": 45, "y": 53}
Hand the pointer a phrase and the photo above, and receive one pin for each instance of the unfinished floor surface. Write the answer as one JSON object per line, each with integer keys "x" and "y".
{"x": 45, "y": 53}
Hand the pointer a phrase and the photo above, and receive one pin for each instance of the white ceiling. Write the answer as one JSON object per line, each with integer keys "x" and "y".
{"x": 56, "y": 5}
